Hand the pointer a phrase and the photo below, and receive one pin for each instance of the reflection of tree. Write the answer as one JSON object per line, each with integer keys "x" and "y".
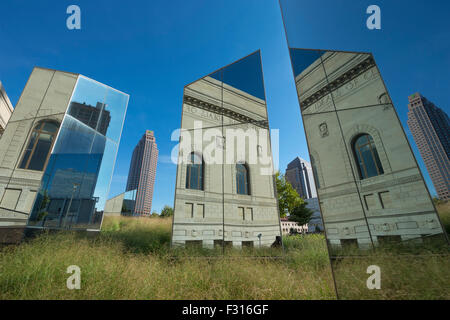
{"x": 288, "y": 198}
{"x": 42, "y": 213}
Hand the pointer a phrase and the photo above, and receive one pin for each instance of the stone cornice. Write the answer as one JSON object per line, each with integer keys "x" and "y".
{"x": 224, "y": 112}
{"x": 340, "y": 81}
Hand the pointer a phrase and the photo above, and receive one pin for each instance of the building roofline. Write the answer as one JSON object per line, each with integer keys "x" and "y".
{"x": 5, "y": 96}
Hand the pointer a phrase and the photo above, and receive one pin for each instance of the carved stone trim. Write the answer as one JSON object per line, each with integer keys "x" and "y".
{"x": 223, "y": 111}
{"x": 342, "y": 80}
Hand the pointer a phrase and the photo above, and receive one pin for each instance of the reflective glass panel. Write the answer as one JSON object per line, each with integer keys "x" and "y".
{"x": 76, "y": 181}
{"x": 375, "y": 205}
{"x": 225, "y": 196}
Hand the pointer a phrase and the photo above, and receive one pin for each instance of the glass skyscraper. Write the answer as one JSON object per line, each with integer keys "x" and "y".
{"x": 430, "y": 127}
{"x": 141, "y": 176}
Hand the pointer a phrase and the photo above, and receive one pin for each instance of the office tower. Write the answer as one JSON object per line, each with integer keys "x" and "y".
{"x": 56, "y": 163}
{"x": 6, "y": 109}
{"x": 141, "y": 176}
{"x": 225, "y": 192}
{"x": 430, "y": 127}
{"x": 300, "y": 175}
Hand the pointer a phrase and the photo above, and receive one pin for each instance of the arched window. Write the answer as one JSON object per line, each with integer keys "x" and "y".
{"x": 39, "y": 146}
{"x": 366, "y": 155}
{"x": 194, "y": 172}
{"x": 242, "y": 179}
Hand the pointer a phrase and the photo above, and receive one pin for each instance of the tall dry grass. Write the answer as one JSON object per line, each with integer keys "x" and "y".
{"x": 132, "y": 259}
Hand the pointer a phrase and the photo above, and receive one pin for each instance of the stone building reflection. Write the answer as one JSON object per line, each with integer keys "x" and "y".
{"x": 369, "y": 186}
{"x": 229, "y": 200}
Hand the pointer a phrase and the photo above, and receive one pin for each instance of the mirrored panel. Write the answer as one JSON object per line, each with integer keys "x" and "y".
{"x": 225, "y": 196}
{"x": 76, "y": 180}
{"x": 198, "y": 209}
{"x": 251, "y": 219}
{"x": 375, "y": 205}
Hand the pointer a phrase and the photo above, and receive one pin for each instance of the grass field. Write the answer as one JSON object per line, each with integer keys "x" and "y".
{"x": 131, "y": 259}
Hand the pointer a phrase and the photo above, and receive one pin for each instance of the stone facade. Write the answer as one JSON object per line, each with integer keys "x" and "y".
{"x": 46, "y": 96}
{"x": 6, "y": 109}
{"x": 113, "y": 206}
{"x": 342, "y": 96}
{"x": 217, "y": 214}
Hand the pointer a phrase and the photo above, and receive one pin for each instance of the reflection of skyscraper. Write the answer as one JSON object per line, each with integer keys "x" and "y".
{"x": 431, "y": 130}
{"x": 143, "y": 171}
{"x": 300, "y": 176}
{"x": 90, "y": 115}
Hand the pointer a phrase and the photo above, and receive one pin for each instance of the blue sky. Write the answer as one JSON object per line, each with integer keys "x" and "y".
{"x": 151, "y": 49}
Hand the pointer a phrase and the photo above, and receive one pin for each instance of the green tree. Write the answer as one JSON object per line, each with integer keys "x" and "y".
{"x": 288, "y": 198}
{"x": 154, "y": 214}
{"x": 301, "y": 214}
{"x": 167, "y": 211}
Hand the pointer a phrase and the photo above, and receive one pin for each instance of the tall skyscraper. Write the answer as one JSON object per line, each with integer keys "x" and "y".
{"x": 300, "y": 175}
{"x": 430, "y": 127}
{"x": 141, "y": 176}
{"x": 6, "y": 109}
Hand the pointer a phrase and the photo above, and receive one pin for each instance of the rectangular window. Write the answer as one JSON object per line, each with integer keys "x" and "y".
{"x": 194, "y": 243}
{"x": 241, "y": 213}
{"x": 10, "y": 198}
{"x": 218, "y": 243}
{"x": 247, "y": 244}
{"x": 189, "y": 209}
{"x": 388, "y": 239}
{"x": 349, "y": 243}
{"x": 200, "y": 211}
{"x": 385, "y": 199}
{"x": 369, "y": 201}
{"x": 249, "y": 213}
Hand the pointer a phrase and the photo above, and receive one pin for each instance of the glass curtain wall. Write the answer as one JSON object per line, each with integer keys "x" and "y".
{"x": 77, "y": 178}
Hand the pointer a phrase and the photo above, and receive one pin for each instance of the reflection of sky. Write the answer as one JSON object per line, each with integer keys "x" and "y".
{"x": 105, "y": 174}
{"x": 245, "y": 75}
{"x": 302, "y": 59}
